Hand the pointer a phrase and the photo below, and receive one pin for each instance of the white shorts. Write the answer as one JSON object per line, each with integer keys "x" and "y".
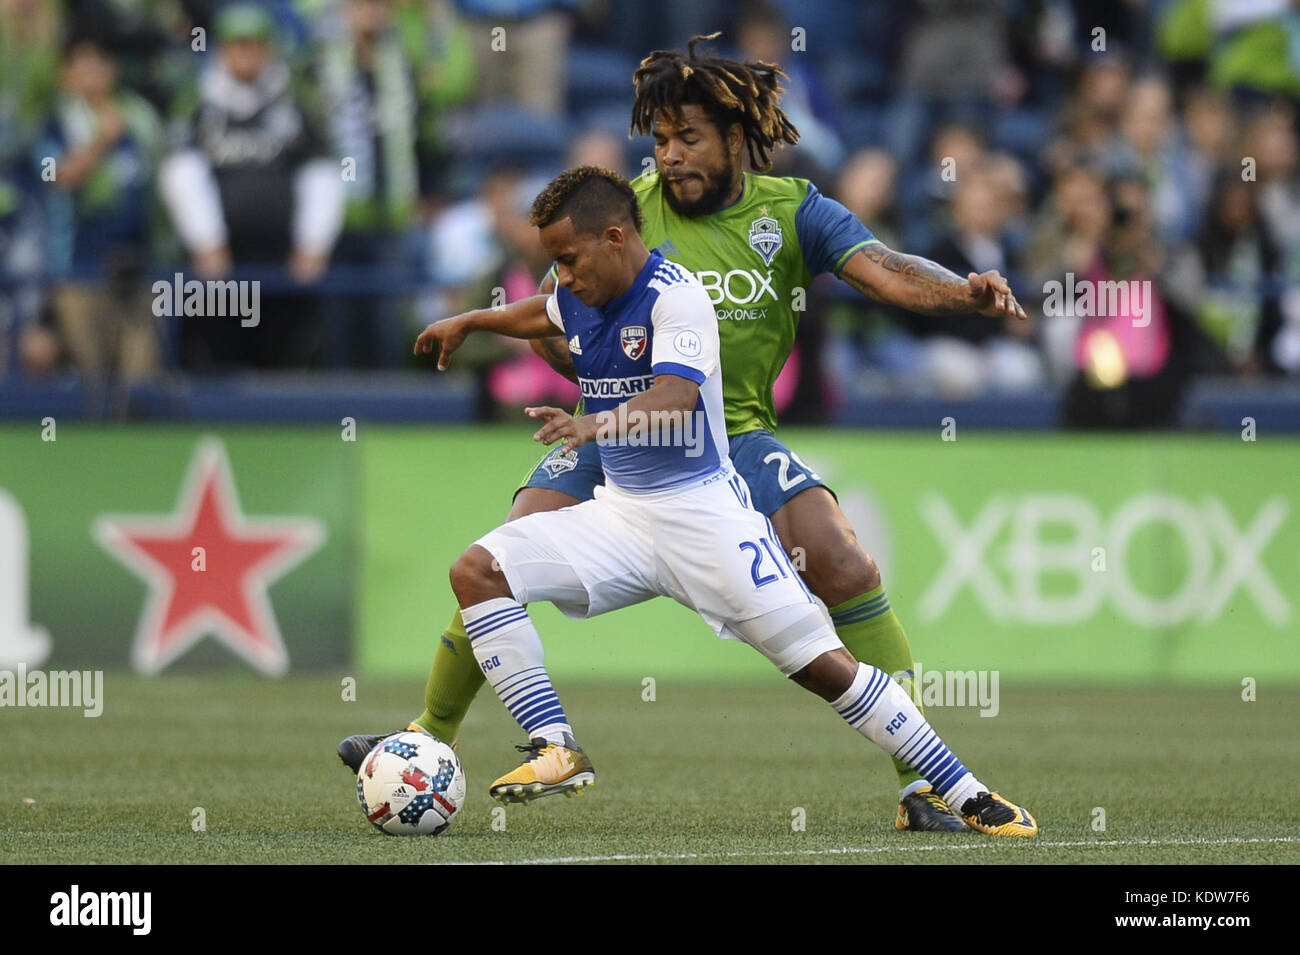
{"x": 702, "y": 545}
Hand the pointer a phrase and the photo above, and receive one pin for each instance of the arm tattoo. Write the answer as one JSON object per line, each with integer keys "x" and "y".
{"x": 922, "y": 286}
{"x": 556, "y": 353}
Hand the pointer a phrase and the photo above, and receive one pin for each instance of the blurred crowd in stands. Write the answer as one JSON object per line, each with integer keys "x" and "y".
{"x": 371, "y": 163}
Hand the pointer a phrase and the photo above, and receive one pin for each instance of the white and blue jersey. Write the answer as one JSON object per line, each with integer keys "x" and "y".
{"x": 672, "y": 520}
{"x": 664, "y": 324}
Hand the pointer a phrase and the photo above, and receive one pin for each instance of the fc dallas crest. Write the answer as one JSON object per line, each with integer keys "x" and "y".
{"x": 633, "y": 339}
{"x": 208, "y": 568}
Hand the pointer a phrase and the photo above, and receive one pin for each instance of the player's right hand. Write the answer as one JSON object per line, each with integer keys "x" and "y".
{"x": 992, "y": 295}
{"x": 558, "y": 423}
{"x": 448, "y": 335}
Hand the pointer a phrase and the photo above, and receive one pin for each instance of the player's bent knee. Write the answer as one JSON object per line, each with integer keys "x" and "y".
{"x": 841, "y": 570}
{"x": 868, "y": 574}
{"x": 476, "y": 577}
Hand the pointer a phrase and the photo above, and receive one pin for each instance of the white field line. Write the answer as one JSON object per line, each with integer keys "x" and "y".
{"x": 875, "y": 850}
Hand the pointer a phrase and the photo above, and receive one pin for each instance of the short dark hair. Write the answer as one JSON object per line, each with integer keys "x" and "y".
{"x": 592, "y": 196}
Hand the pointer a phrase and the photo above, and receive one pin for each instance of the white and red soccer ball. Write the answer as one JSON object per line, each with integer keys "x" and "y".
{"x": 411, "y": 784}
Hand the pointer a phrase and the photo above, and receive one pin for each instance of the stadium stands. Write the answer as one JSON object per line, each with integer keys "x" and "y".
{"x": 1181, "y": 120}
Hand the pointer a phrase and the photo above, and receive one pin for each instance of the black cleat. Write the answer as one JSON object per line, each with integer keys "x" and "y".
{"x": 355, "y": 748}
{"x": 926, "y": 811}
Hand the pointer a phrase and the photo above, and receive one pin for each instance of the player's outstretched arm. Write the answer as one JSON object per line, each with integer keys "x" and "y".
{"x": 919, "y": 285}
{"x": 670, "y": 395}
{"x": 525, "y": 318}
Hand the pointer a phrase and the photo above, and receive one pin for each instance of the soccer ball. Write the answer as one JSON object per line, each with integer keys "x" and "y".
{"x": 411, "y": 784}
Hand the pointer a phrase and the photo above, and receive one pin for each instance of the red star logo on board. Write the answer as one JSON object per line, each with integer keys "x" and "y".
{"x": 208, "y": 568}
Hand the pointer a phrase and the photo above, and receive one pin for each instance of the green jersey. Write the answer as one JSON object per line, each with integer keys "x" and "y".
{"x": 756, "y": 258}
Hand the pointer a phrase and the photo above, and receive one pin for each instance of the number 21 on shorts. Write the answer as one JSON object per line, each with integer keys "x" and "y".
{"x": 763, "y": 547}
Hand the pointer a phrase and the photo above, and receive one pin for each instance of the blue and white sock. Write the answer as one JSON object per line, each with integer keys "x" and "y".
{"x": 509, "y": 652}
{"x": 880, "y": 709}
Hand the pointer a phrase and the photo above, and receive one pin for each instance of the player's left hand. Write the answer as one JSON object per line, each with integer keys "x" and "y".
{"x": 559, "y": 424}
{"x": 993, "y": 296}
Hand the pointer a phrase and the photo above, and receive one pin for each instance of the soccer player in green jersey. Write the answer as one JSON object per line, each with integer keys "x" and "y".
{"x": 754, "y": 242}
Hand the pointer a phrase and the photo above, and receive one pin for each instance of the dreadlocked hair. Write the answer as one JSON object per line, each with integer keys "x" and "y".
{"x": 729, "y": 92}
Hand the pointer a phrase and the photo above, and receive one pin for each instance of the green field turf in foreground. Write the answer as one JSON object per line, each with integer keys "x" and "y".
{"x": 700, "y": 774}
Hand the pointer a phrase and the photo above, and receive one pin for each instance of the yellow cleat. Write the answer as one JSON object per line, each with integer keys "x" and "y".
{"x": 549, "y": 768}
{"x": 992, "y": 815}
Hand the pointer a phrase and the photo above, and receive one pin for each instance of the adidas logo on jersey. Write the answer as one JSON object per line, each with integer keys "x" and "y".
{"x": 574, "y": 347}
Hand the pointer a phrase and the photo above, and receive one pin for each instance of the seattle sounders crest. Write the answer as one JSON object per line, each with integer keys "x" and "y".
{"x": 765, "y": 236}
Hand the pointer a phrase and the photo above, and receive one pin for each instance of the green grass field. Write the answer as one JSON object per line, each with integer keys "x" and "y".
{"x": 699, "y": 775}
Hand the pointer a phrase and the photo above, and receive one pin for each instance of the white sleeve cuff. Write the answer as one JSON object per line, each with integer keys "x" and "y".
{"x": 553, "y": 312}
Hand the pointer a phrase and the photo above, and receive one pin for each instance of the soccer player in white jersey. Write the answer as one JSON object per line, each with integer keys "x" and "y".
{"x": 673, "y": 518}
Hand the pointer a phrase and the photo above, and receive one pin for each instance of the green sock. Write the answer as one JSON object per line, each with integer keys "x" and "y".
{"x": 872, "y": 632}
{"x": 453, "y": 681}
